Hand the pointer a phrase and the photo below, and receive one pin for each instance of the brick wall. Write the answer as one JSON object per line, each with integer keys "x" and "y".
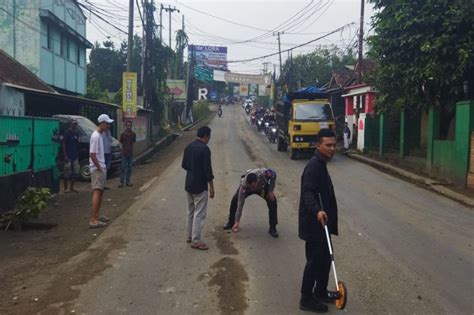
{"x": 470, "y": 175}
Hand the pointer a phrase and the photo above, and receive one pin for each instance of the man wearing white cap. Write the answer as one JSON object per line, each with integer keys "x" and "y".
{"x": 98, "y": 170}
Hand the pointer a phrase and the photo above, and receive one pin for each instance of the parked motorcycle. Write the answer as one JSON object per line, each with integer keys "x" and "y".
{"x": 253, "y": 119}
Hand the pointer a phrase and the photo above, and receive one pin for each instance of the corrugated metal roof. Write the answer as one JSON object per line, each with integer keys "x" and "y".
{"x": 13, "y": 72}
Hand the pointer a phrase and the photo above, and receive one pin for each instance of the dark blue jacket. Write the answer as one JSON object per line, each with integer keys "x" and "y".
{"x": 314, "y": 181}
{"x": 197, "y": 163}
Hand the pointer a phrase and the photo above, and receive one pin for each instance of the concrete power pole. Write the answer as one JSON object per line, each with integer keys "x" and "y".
{"x": 361, "y": 41}
{"x": 170, "y": 10}
{"x": 130, "y": 36}
{"x": 279, "y": 47}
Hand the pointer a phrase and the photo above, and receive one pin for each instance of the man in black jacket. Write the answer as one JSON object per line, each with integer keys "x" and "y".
{"x": 198, "y": 166}
{"x": 316, "y": 187}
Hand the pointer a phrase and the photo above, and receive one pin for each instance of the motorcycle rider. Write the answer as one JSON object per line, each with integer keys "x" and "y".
{"x": 260, "y": 181}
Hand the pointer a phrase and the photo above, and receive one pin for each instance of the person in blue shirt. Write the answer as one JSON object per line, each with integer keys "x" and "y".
{"x": 71, "y": 161}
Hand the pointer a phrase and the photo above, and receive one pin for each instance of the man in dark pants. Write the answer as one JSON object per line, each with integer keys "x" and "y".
{"x": 316, "y": 187}
{"x": 260, "y": 181}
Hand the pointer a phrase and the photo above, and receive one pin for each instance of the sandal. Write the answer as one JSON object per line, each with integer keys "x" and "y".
{"x": 103, "y": 218}
{"x": 200, "y": 246}
{"x": 98, "y": 224}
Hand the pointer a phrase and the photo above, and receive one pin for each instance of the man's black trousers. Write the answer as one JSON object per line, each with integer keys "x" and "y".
{"x": 272, "y": 207}
{"x": 316, "y": 271}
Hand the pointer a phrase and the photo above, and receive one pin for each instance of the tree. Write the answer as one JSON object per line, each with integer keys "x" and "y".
{"x": 315, "y": 68}
{"x": 106, "y": 66}
{"x": 424, "y": 52}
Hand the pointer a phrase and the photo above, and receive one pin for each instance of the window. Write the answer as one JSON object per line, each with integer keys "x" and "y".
{"x": 49, "y": 38}
{"x": 318, "y": 112}
{"x": 68, "y": 48}
{"x": 63, "y": 44}
{"x": 79, "y": 55}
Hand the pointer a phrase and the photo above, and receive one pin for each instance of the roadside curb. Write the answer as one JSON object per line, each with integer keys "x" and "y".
{"x": 155, "y": 148}
{"x": 186, "y": 128}
{"x": 167, "y": 140}
{"x": 423, "y": 181}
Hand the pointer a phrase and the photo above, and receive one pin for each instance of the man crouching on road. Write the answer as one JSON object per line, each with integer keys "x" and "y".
{"x": 316, "y": 185}
{"x": 260, "y": 181}
{"x": 98, "y": 170}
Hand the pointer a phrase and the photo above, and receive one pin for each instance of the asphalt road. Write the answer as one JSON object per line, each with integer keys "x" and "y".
{"x": 401, "y": 249}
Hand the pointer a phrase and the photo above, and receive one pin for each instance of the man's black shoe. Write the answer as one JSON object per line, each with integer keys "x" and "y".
{"x": 228, "y": 226}
{"x": 273, "y": 232}
{"x": 328, "y": 297}
{"x": 312, "y": 305}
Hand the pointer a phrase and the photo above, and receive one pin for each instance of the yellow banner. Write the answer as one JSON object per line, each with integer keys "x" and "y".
{"x": 129, "y": 94}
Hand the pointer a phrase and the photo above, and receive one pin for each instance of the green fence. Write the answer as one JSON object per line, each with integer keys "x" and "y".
{"x": 27, "y": 144}
{"x": 16, "y": 136}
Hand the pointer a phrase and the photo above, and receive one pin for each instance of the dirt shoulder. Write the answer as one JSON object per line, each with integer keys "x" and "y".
{"x": 34, "y": 254}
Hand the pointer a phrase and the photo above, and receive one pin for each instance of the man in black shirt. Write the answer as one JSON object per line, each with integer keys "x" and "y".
{"x": 317, "y": 188}
{"x": 198, "y": 166}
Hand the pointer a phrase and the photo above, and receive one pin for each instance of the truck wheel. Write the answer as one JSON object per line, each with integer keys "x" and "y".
{"x": 280, "y": 145}
{"x": 84, "y": 170}
{"x": 293, "y": 154}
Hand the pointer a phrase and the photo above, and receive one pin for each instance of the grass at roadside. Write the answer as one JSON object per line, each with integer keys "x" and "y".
{"x": 201, "y": 110}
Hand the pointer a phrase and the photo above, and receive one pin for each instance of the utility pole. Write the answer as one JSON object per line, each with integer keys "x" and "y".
{"x": 161, "y": 22}
{"x": 265, "y": 67}
{"x": 130, "y": 36}
{"x": 279, "y": 46}
{"x": 190, "y": 83}
{"x": 170, "y": 10}
{"x": 361, "y": 41}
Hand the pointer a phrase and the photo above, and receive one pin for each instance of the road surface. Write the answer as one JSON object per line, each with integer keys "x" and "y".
{"x": 401, "y": 250}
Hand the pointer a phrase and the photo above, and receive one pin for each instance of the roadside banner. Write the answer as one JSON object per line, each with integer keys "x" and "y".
{"x": 262, "y": 90}
{"x": 219, "y": 75}
{"x": 244, "y": 90}
{"x": 253, "y": 89}
{"x": 247, "y": 78}
{"x": 129, "y": 94}
{"x": 236, "y": 90}
{"x": 177, "y": 88}
{"x": 140, "y": 124}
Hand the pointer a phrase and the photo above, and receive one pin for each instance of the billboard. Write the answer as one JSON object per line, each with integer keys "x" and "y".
{"x": 177, "y": 88}
{"x": 244, "y": 90}
{"x": 129, "y": 94}
{"x": 214, "y": 57}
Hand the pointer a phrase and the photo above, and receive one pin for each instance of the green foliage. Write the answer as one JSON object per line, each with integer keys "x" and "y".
{"x": 315, "y": 68}
{"x": 424, "y": 52}
{"x": 95, "y": 92}
{"x": 201, "y": 110}
{"x": 107, "y": 64}
{"x": 28, "y": 205}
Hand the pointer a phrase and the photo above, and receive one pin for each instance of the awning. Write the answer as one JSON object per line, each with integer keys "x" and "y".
{"x": 62, "y": 97}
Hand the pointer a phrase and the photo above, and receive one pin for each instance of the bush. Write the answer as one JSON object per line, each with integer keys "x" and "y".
{"x": 201, "y": 110}
{"x": 28, "y": 206}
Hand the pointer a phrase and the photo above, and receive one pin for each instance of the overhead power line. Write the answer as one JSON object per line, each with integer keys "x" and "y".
{"x": 220, "y": 18}
{"x": 101, "y": 18}
{"x": 292, "y": 48}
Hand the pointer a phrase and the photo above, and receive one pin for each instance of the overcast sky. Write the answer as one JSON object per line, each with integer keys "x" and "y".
{"x": 301, "y": 21}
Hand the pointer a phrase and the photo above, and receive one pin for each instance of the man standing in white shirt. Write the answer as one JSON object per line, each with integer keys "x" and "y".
{"x": 98, "y": 170}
